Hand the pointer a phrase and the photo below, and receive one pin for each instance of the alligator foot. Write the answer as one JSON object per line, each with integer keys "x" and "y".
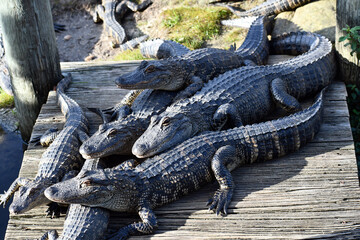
{"x": 223, "y": 158}
{"x": 54, "y": 210}
{"x": 147, "y": 226}
{"x": 59, "y": 27}
{"x": 4, "y": 198}
{"x": 220, "y": 201}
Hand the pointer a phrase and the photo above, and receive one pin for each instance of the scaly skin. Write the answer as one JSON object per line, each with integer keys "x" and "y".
{"x": 161, "y": 49}
{"x": 191, "y": 70}
{"x": 118, "y": 137}
{"x": 269, "y": 7}
{"x": 60, "y": 158}
{"x": 244, "y": 95}
{"x": 81, "y": 222}
{"x": 184, "y": 169}
{"x": 106, "y": 12}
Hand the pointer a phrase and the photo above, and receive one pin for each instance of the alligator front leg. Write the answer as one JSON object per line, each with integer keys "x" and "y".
{"x": 282, "y": 97}
{"x": 195, "y": 85}
{"x": 226, "y": 114}
{"x": 147, "y": 226}
{"x": 137, "y": 7}
{"x": 222, "y": 197}
{"x": 99, "y": 13}
{"x": 4, "y": 198}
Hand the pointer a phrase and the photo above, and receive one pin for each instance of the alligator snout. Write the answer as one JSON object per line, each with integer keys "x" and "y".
{"x": 50, "y": 192}
{"x": 86, "y": 151}
{"x": 139, "y": 150}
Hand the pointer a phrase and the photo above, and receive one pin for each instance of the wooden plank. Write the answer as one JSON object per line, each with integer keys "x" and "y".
{"x": 313, "y": 193}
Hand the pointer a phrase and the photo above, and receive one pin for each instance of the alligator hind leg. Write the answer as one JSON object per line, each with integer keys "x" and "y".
{"x": 222, "y": 197}
{"x": 282, "y": 97}
{"x": 4, "y": 198}
{"x": 226, "y": 116}
{"x": 147, "y": 226}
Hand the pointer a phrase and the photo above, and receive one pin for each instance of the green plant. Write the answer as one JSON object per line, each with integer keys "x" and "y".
{"x": 129, "y": 55}
{"x": 353, "y": 36}
{"x": 6, "y": 101}
{"x": 192, "y": 26}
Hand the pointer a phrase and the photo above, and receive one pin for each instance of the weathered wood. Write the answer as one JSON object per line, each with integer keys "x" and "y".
{"x": 31, "y": 55}
{"x": 347, "y": 13}
{"x": 313, "y": 193}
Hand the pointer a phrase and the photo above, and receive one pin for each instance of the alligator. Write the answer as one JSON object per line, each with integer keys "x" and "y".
{"x": 106, "y": 12}
{"x": 160, "y": 49}
{"x": 192, "y": 70}
{"x": 270, "y": 7}
{"x": 82, "y": 222}
{"x": 244, "y": 95}
{"x": 185, "y": 168}
{"x": 118, "y": 137}
{"x": 58, "y": 160}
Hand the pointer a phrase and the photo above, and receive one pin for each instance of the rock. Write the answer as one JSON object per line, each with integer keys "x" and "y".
{"x": 318, "y": 17}
{"x": 67, "y": 37}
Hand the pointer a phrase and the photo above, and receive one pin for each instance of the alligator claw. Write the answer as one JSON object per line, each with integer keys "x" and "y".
{"x": 53, "y": 210}
{"x": 221, "y": 200}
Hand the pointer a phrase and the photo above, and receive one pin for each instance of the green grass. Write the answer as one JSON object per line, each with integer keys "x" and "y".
{"x": 192, "y": 26}
{"x": 129, "y": 55}
{"x": 6, "y": 101}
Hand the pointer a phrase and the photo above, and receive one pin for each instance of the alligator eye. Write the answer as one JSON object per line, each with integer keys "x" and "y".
{"x": 150, "y": 69}
{"x": 86, "y": 183}
{"x": 112, "y": 132}
{"x": 166, "y": 121}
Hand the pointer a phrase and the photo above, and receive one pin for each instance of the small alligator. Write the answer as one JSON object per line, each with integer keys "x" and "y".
{"x": 106, "y": 12}
{"x": 191, "y": 70}
{"x": 267, "y": 8}
{"x": 60, "y": 158}
{"x": 161, "y": 49}
{"x": 244, "y": 95}
{"x": 185, "y": 168}
{"x": 81, "y": 222}
{"x": 118, "y": 137}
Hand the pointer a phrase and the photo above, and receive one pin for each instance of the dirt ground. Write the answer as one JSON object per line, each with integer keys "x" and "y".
{"x": 84, "y": 40}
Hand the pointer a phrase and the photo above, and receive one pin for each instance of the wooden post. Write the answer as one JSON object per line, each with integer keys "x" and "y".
{"x": 347, "y": 13}
{"x": 31, "y": 55}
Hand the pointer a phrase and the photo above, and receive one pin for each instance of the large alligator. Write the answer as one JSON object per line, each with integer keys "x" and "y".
{"x": 59, "y": 159}
{"x": 244, "y": 95}
{"x": 270, "y": 7}
{"x": 118, "y": 137}
{"x": 185, "y": 168}
{"x": 82, "y": 222}
{"x": 106, "y": 12}
{"x": 192, "y": 70}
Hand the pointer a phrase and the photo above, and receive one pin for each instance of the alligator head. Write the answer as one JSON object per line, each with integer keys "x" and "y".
{"x": 96, "y": 188}
{"x": 29, "y": 195}
{"x": 165, "y": 131}
{"x": 112, "y": 138}
{"x": 162, "y": 75}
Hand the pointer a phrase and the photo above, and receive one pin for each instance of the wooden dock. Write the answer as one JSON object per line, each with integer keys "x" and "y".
{"x": 311, "y": 194}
